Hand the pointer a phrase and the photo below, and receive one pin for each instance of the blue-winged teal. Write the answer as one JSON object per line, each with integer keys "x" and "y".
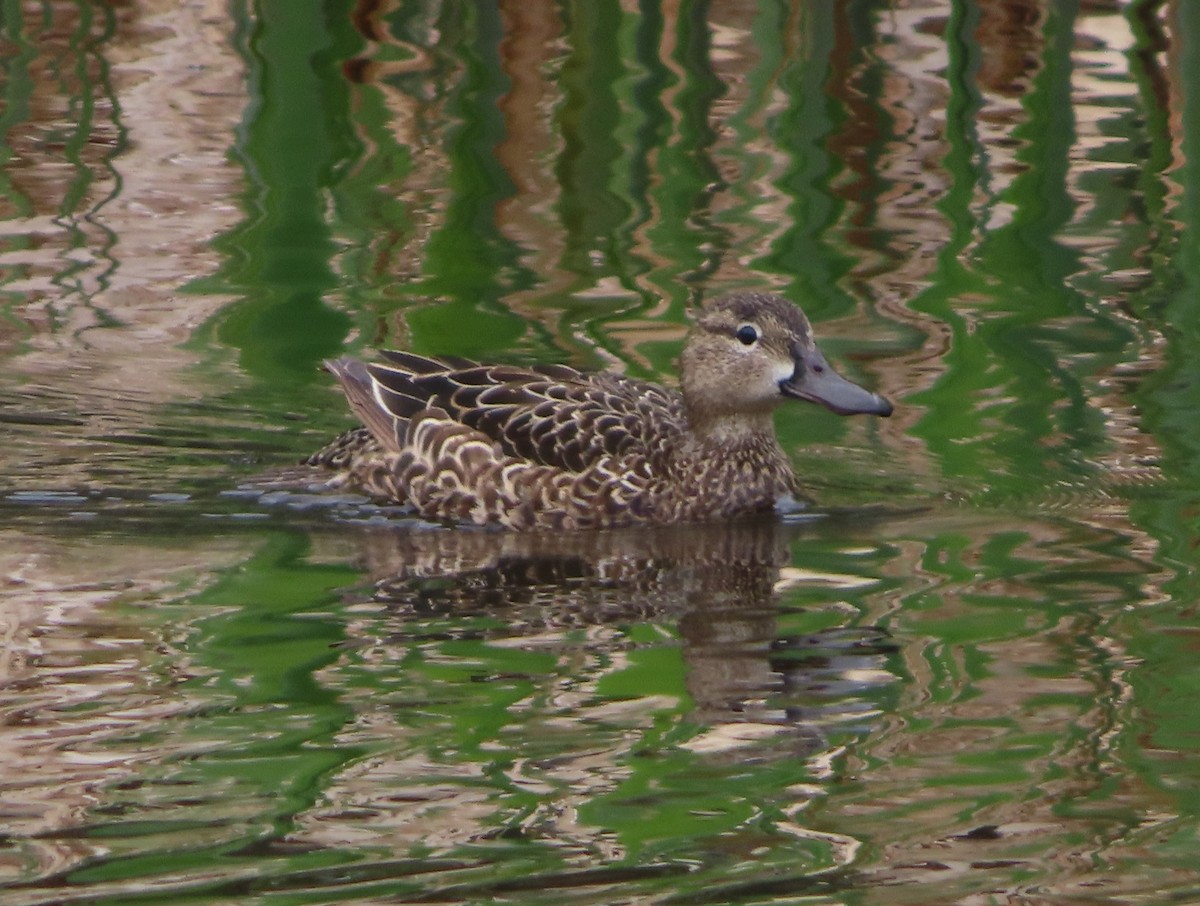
{"x": 549, "y": 447}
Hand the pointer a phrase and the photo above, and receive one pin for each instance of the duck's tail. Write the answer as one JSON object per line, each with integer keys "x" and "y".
{"x": 364, "y": 395}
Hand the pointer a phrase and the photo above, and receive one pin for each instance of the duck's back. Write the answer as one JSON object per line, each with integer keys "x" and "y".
{"x": 553, "y": 415}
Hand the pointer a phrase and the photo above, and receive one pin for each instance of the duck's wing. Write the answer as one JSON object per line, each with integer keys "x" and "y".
{"x": 552, "y": 414}
{"x": 570, "y": 423}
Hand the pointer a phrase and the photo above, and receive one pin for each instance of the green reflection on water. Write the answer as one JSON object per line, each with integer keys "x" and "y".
{"x": 296, "y": 137}
{"x": 469, "y": 263}
{"x": 1010, "y": 413}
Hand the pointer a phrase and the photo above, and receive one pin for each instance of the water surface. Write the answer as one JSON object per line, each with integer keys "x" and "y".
{"x": 967, "y": 675}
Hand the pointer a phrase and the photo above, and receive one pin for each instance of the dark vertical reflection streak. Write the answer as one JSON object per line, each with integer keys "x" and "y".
{"x": 294, "y": 54}
{"x": 801, "y": 132}
{"x": 18, "y": 53}
{"x": 1171, "y": 397}
{"x": 590, "y": 212}
{"x": 689, "y": 165}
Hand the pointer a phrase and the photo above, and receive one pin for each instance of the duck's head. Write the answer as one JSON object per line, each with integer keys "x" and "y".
{"x": 748, "y": 352}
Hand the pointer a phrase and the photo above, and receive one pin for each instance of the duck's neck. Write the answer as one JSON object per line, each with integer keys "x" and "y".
{"x": 733, "y": 430}
{"x": 744, "y": 443}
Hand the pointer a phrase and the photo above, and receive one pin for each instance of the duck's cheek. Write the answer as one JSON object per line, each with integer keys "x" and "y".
{"x": 783, "y": 371}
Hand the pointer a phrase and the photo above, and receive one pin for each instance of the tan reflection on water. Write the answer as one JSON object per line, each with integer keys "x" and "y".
{"x": 158, "y": 184}
{"x": 120, "y": 211}
{"x": 88, "y": 674}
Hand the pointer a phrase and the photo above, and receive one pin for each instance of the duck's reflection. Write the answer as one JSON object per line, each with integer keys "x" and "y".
{"x": 716, "y": 588}
{"x": 537, "y": 684}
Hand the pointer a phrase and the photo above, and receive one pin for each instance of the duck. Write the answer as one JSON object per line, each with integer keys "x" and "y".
{"x": 550, "y": 447}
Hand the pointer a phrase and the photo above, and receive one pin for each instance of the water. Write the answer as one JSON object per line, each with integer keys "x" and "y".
{"x": 966, "y": 675}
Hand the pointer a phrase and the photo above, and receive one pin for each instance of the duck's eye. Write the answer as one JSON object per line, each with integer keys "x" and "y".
{"x": 747, "y": 334}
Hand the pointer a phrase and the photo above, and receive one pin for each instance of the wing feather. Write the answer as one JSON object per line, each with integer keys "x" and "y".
{"x": 553, "y": 415}
{"x": 418, "y": 364}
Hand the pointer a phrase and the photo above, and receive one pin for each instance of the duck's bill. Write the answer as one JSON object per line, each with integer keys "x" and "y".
{"x": 834, "y": 392}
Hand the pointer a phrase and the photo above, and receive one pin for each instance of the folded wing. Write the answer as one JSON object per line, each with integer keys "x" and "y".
{"x": 551, "y": 415}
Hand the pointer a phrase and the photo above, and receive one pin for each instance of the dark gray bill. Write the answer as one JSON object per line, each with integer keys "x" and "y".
{"x": 816, "y": 382}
